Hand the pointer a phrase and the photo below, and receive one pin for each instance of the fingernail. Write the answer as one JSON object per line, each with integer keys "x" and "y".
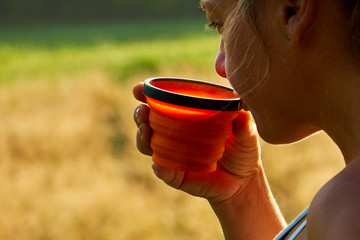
{"x": 140, "y": 134}
{"x": 136, "y": 115}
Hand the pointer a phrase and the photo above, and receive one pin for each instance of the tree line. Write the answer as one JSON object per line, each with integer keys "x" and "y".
{"x": 77, "y": 11}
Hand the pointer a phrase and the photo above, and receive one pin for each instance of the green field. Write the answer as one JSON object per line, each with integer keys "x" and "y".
{"x": 69, "y": 168}
{"x": 119, "y": 50}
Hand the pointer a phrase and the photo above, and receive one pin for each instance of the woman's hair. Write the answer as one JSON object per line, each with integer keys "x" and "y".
{"x": 351, "y": 9}
{"x": 246, "y": 11}
{"x": 249, "y": 10}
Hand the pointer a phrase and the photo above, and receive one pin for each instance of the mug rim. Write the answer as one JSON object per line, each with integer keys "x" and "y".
{"x": 151, "y": 91}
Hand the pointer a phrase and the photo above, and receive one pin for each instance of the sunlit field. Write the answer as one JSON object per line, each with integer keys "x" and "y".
{"x": 69, "y": 168}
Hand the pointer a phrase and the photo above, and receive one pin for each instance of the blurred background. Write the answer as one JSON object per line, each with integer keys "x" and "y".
{"x": 69, "y": 168}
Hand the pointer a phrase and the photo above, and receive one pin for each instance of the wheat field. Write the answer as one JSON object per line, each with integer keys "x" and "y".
{"x": 69, "y": 168}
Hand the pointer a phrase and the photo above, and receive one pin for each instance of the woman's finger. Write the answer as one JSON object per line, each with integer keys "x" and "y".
{"x": 242, "y": 149}
{"x": 138, "y": 92}
{"x": 244, "y": 130}
{"x": 143, "y": 137}
{"x": 141, "y": 114}
{"x": 171, "y": 177}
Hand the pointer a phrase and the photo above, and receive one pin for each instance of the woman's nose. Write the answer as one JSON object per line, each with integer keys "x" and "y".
{"x": 220, "y": 62}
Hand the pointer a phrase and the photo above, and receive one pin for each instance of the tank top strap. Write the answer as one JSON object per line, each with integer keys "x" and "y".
{"x": 290, "y": 227}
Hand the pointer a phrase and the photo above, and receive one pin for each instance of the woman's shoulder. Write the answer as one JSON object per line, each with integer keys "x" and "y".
{"x": 335, "y": 211}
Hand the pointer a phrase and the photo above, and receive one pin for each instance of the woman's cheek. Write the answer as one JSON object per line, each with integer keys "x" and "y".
{"x": 234, "y": 75}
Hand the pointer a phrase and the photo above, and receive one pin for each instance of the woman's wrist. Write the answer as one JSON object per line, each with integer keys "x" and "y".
{"x": 252, "y": 207}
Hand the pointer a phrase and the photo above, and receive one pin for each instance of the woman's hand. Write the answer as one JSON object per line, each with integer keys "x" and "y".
{"x": 237, "y": 190}
{"x": 240, "y": 161}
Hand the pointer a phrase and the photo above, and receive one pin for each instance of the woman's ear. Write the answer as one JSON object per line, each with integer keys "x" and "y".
{"x": 297, "y": 16}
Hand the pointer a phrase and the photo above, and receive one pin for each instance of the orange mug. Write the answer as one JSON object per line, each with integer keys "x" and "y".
{"x": 191, "y": 121}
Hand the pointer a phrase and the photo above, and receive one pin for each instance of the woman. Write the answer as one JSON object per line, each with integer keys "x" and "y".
{"x": 296, "y": 66}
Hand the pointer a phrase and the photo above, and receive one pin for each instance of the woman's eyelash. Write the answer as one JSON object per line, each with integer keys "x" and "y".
{"x": 213, "y": 26}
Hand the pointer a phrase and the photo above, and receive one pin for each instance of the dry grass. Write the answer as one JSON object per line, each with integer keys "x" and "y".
{"x": 69, "y": 168}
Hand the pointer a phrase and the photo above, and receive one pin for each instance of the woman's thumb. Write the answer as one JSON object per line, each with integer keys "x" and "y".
{"x": 244, "y": 129}
{"x": 242, "y": 149}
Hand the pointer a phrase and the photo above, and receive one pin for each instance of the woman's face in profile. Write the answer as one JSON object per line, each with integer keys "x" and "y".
{"x": 256, "y": 65}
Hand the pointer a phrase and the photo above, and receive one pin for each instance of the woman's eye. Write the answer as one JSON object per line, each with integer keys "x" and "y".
{"x": 213, "y": 26}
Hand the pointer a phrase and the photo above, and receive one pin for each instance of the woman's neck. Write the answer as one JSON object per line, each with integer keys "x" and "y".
{"x": 341, "y": 113}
